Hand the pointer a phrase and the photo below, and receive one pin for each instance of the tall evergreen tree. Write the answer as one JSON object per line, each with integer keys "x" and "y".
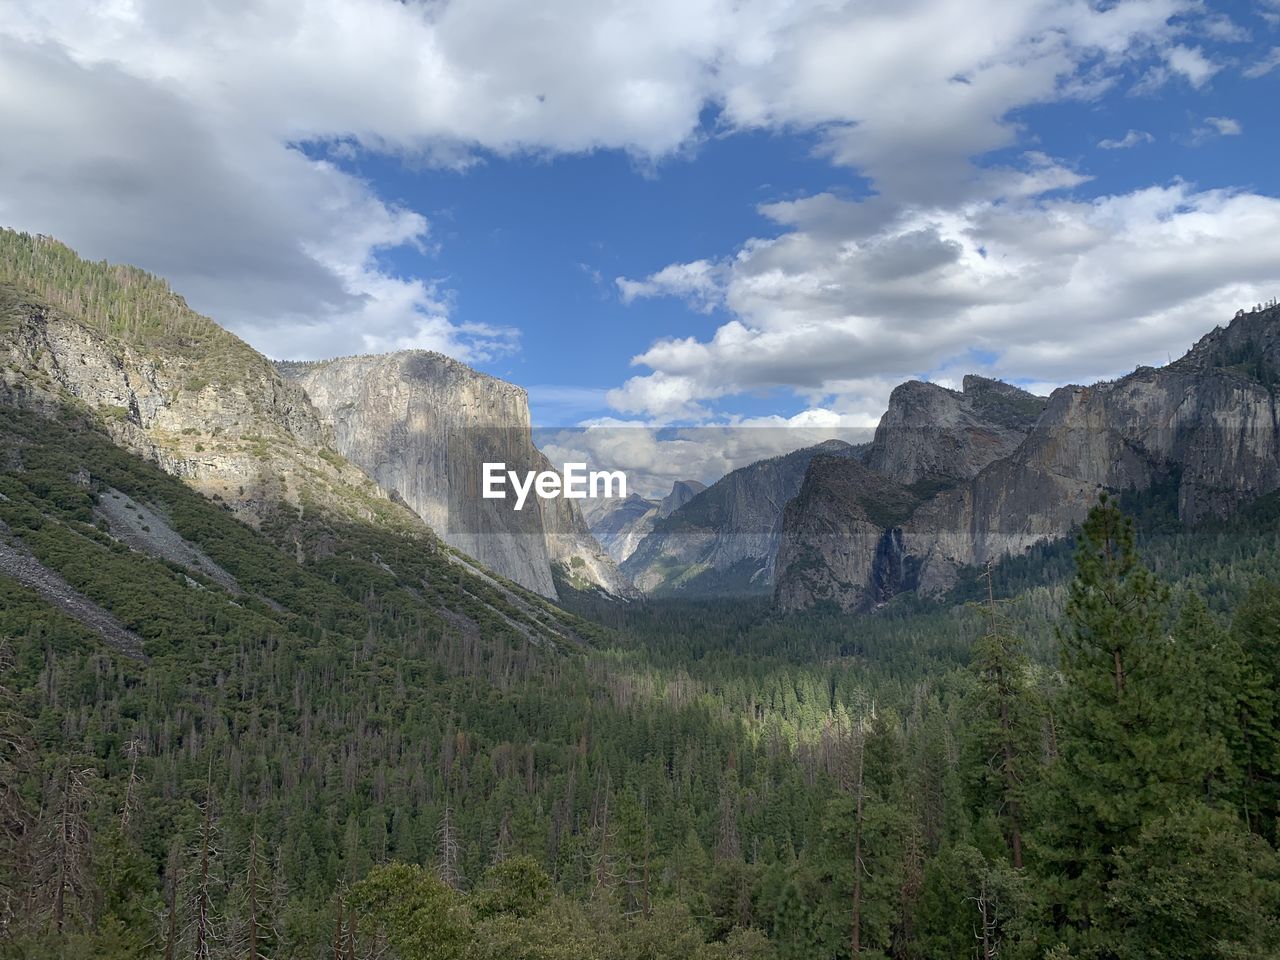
{"x": 1003, "y": 727}
{"x": 1101, "y": 785}
{"x": 1256, "y": 628}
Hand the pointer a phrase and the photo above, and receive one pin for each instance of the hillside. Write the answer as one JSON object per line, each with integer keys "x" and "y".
{"x": 722, "y": 541}
{"x": 168, "y": 384}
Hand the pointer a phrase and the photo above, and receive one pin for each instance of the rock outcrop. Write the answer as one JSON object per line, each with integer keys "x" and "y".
{"x": 725, "y": 538}
{"x": 842, "y": 538}
{"x": 930, "y": 435}
{"x": 422, "y": 425}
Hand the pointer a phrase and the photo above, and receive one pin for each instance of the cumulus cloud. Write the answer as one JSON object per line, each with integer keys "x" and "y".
{"x": 183, "y": 154}
{"x": 184, "y": 137}
{"x": 1131, "y": 139}
{"x": 694, "y": 282}
{"x": 1191, "y": 64}
{"x": 1046, "y": 288}
{"x": 279, "y": 246}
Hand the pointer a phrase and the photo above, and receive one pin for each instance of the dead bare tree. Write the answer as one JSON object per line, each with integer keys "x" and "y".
{"x": 988, "y": 932}
{"x": 448, "y": 851}
{"x": 200, "y": 933}
{"x": 133, "y": 749}
{"x": 64, "y": 888}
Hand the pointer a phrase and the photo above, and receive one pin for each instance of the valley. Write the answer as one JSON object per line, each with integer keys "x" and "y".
{"x": 289, "y": 686}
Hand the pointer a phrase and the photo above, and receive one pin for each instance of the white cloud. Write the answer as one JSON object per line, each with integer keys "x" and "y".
{"x": 654, "y": 458}
{"x": 1130, "y": 139}
{"x": 280, "y": 247}
{"x": 163, "y": 133}
{"x": 1192, "y": 64}
{"x": 1052, "y": 289}
{"x": 1264, "y": 66}
{"x": 1221, "y": 126}
{"x": 694, "y": 282}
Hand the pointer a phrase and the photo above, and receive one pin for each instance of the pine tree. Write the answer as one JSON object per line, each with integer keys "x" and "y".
{"x": 1004, "y": 725}
{"x": 1130, "y": 727}
{"x": 1256, "y": 628}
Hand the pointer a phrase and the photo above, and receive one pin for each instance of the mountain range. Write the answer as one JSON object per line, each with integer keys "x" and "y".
{"x": 952, "y": 478}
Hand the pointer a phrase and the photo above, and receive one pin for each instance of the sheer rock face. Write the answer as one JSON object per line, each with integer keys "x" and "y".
{"x": 243, "y": 434}
{"x": 934, "y": 435}
{"x": 842, "y": 540}
{"x": 422, "y": 425}
{"x": 1208, "y": 423}
{"x": 725, "y": 538}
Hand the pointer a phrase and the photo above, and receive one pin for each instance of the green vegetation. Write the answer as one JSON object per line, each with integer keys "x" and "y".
{"x": 125, "y": 305}
{"x": 373, "y": 753}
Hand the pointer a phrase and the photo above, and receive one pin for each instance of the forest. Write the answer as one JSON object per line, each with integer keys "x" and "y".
{"x": 359, "y": 755}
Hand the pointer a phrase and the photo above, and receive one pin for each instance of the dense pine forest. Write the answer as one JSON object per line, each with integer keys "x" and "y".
{"x": 355, "y": 755}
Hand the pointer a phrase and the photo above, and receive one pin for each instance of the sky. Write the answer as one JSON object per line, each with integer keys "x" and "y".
{"x": 673, "y": 213}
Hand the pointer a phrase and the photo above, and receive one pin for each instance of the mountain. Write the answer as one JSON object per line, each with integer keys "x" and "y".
{"x": 169, "y": 385}
{"x": 160, "y": 481}
{"x": 620, "y": 525}
{"x": 422, "y": 425}
{"x": 1206, "y": 427}
{"x": 934, "y": 436}
{"x": 682, "y": 491}
{"x": 723, "y": 540}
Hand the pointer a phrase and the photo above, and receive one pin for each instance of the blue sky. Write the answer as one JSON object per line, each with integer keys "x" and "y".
{"x": 537, "y": 243}
{"x": 690, "y": 212}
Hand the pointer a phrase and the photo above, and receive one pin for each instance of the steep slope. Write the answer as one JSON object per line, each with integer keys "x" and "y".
{"x": 191, "y": 578}
{"x": 1207, "y": 424}
{"x": 724, "y": 539}
{"x": 168, "y": 384}
{"x": 620, "y": 525}
{"x": 422, "y": 425}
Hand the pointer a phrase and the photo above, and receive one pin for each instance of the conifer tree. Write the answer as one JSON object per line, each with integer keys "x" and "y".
{"x": 1131, "y": 727}
{"x": 1004, "y": 725}
{"x": 1256, "y": 628}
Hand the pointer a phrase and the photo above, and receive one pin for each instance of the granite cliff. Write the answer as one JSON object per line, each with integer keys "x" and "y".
{"x": 1208, "y": 424}
{"x": 422, "y": 424}
{"x": 933, "y": 436}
